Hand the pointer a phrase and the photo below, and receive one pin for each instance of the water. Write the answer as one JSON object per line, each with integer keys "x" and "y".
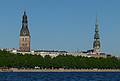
{"x": 60, "y": 76}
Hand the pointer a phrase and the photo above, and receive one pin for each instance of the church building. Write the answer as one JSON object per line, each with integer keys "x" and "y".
{"x": 24, "y": 40}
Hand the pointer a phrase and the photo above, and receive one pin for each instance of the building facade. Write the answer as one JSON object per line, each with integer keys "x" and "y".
{"x": 24, "y": 42}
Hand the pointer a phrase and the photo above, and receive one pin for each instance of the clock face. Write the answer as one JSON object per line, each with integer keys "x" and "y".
{"x": 24, "y": 33}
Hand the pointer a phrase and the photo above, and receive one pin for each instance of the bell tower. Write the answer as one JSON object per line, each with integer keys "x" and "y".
{"x": 24, "y": 35}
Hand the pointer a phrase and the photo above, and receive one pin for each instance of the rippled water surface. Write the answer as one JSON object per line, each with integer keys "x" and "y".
{"x": 60, "y": 76}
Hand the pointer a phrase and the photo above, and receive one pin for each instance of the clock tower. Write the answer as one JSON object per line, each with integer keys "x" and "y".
{"x": 24, "y": 35}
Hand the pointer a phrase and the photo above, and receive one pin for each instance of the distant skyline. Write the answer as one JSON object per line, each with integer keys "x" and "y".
{"x": 62, "y": 24}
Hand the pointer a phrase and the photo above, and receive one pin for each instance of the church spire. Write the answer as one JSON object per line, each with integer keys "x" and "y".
{"x": 24, "y": 29}
{"x": 24, "y": 20}
{"x": 96, "y": 43}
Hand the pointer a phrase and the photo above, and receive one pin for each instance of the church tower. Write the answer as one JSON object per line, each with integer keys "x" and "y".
{"x": 24, "y": 35}
{"x": 96, "y": 43}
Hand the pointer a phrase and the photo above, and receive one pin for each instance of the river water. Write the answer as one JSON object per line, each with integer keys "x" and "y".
{"x": 59, "y": 76}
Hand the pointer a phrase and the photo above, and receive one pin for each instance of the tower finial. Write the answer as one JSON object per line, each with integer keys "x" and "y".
{"x": 97, "y": 20}
{"x": 24, "y": 12}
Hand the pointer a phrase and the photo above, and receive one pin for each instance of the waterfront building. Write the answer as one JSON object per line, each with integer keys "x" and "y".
{"x": 24, "y": 42}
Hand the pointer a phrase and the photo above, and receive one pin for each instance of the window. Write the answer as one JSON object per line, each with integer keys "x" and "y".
{"x": 25, "y": 39}
{"x": 25, "y": 45}
{"x": 22, "y": 39}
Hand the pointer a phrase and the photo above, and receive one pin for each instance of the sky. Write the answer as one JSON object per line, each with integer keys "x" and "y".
{"x": 62, "y": 24}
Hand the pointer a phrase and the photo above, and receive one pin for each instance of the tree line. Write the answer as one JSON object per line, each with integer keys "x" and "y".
{"x": 10, "y": 60}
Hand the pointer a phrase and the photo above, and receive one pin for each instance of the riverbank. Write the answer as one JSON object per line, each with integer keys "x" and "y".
{"x": 59, "y": 70}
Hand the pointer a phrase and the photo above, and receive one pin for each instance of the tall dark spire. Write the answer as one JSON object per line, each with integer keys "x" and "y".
{"x": 24, "y": 18}
{"x": 24, "y": 30}
{"x": 96, "y": 43}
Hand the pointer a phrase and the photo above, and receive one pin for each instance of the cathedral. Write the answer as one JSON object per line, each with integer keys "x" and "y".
{"x": 24, "y": 41}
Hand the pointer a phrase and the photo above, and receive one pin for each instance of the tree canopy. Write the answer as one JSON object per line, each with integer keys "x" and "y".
{"x": 9, "y": 60}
